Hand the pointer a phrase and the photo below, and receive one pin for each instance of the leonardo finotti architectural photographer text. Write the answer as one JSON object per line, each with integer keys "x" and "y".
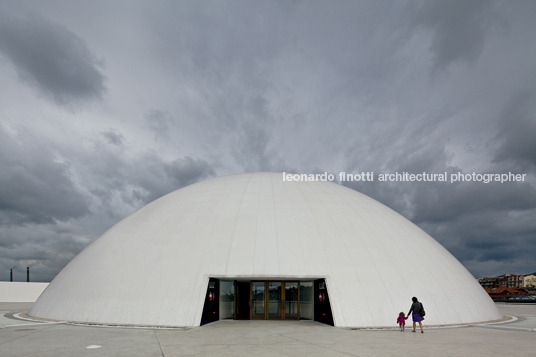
{"x": 370, "y": 176}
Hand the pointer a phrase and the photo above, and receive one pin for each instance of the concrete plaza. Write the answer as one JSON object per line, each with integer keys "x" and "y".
{"x": 266, "y": 338}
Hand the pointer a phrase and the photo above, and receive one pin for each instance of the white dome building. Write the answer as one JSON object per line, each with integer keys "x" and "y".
{"x": 252, "y": 246}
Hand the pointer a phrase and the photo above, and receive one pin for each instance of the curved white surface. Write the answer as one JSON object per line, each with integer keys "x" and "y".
{"x": 152, "y": 268}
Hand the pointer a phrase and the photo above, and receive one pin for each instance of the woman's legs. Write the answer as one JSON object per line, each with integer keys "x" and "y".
{"x": 420, "y": 325}
{"x": 414, "y": 325}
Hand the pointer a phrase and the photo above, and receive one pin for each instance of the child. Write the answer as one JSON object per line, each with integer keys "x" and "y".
{"x": 402, "y": 321}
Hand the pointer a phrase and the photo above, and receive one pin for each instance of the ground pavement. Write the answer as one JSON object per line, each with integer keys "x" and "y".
{"x": 265, "y": 338}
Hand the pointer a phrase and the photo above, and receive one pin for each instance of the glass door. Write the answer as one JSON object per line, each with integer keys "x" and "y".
{"x": 291, "y": 300}
{"x": 257, "y": 300}
{"x": 306, "y": 300}
{"x": 274, "y": 300}
{"x": 281, "y": 300}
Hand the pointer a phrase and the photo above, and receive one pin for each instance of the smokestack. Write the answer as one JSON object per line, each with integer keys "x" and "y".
{"x": 11, "y": 274}
{"x": 28, "y": 274}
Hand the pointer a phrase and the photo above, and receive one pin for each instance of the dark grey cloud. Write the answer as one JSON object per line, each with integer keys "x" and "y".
{"x": 159, "y": 122}
{"x": 46, "y": 249}
{"x": 35, "y": 185}
{"x": 51, "y": 58}
{"x": 249, "y": 123}
{"x": 113, "y": 138}
{"x": 458, "y": 28}
{"x": 517, "y": 132}
{"x": 185, "y": 171}
{"x": 443, "y": 202}
{"x": 491, "y": 242}
{"x": 119, "y": 181}
{"x": 159, "y": 177}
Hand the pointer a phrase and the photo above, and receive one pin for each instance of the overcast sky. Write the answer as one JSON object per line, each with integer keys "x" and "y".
{"x": 108, "y": 105}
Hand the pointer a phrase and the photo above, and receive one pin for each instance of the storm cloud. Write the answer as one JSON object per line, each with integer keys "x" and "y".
{"x": 457, "y": 28}
{"x": 34, "y": 184}
{"x": 518, "y": 131}
{"x": 51, "y": 58}
{"x": 171, "y": 93}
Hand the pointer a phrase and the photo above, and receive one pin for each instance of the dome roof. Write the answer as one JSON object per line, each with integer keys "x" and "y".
{"x": 152, "y": 268}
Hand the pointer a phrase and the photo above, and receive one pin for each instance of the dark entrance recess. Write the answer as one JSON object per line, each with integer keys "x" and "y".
{"x": 267, "y": 300}
{"x": 211, "y": 310}
{"x": 242, "y": 300}
{"x": 321, "y": 305}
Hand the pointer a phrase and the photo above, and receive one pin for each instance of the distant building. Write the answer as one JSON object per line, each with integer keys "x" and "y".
{"x": 529, "y": 280}
{"x": 503, "y": 281}
{"x": 488, "y": 283}
{"x": 510, "y": 281}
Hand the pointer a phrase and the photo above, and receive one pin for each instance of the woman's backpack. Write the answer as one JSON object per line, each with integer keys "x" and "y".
{"x": 422, "y": 312}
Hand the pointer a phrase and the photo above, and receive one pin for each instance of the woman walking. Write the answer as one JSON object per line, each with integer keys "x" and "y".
{"x": 416, "y": 308}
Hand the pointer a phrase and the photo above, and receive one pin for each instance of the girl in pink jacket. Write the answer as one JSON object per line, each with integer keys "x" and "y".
{"x": 402, "y": 321}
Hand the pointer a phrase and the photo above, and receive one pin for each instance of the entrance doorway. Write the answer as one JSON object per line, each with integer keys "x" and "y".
{"x": 242, "y": 297}
{"x": 267, "y": 300}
